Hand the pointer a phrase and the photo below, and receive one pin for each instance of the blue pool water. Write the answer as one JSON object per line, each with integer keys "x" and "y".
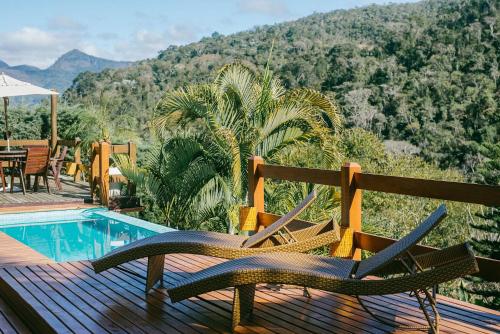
{"x": 70, "y": 235}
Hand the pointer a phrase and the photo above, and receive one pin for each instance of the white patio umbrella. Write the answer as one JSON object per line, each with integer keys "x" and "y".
{"x": 12, "y": 87}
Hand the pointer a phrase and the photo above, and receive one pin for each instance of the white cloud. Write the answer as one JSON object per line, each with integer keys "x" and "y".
{"x": 41, "y": 47}
{"x": 146, "y": 44}
{"x": 37, "y": 47}
{"x": 107, "y": 36}
{"x": 64, "y": 23}
{"x": 180, "y": 34}
{"x": 29, "y": 46}
{"x": 267, "y": 7}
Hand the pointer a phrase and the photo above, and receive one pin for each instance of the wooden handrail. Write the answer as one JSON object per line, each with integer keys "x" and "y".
{"x": 25, "y": 142}
{"x": 299, "y": 174}
{"x": 351, "y": 181}
{"x": 119, "y": 149}
{"x": 451, "y": 191}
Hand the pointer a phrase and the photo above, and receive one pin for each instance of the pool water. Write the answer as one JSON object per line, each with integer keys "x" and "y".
{"x": 70, "y": 235}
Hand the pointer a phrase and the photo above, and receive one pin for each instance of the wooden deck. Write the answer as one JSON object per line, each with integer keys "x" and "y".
{"x": 15, "y": 253}
{"x": 72, "y": 195}
{"x": 69, "y": 298}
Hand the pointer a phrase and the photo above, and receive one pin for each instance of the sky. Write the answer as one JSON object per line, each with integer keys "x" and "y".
{"x": 37, "y": 32}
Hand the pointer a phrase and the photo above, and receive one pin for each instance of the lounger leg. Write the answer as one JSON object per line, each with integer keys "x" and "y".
{"x": 242, "y": 303}
{"x": 156, "y": 265}
{"x": 426, "y": 301}
{"x": 433, "y": 324}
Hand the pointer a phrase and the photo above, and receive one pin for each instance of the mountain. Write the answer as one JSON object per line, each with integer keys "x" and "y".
{"x": 423, "y": 73}
{"x": 60, "y": 75}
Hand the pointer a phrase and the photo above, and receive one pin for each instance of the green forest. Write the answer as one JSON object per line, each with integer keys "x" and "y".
{"x": 403, "y": 89}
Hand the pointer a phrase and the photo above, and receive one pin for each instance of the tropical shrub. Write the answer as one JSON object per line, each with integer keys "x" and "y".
{"x": 197, "y": 171}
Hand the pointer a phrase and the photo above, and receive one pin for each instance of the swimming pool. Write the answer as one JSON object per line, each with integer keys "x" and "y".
{"x": 70, "y": 235}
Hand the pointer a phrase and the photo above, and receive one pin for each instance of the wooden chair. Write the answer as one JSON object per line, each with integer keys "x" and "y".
{"x": 56, "y": 165}
{"x": 37, "y": 164}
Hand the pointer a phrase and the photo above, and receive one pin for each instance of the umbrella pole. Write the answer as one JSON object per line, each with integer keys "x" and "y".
{"x": 5, "y": 104}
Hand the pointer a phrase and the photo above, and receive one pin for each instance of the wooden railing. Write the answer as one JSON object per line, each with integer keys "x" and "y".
{"x": 24, "y": 142}
{"x": 352, "y": 182}
{"x": 99, "y": 167}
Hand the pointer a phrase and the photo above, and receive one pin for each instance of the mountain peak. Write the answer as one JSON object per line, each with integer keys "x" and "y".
{"x": 73, "y": 53}
{"x": 76, "y": 61}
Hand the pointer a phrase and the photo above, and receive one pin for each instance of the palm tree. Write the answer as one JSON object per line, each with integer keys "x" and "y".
{"x": 208, "y": 131}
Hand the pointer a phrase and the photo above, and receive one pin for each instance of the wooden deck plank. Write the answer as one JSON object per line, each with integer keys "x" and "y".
{"x": 10, "y": 322}
{"x": 155, "y": 316}
{"x": 15, "y": 253}
{"x": 122, "y": 284}
{"x": 31, "y": 311}
{"x": 84, "y": 301}
{"x": 100, "y": 300}
{"x": 75, "y": 194}
{"x": 69, "y": 323}
{"x": 46, "y": 284}
{"x": 68, "y": 295}
{"x": 213, "y": 308}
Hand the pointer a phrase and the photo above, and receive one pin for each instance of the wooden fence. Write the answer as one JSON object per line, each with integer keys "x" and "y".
{"x": 99, "y": 167}
{"x": 352, "y": 182}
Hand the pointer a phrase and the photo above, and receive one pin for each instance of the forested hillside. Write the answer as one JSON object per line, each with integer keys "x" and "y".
{"x": 425, "y": 73}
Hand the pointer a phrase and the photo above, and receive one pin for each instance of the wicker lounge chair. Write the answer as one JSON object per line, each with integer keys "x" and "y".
{"x": 281, "y": 236}
{"x": 404, "y": 273}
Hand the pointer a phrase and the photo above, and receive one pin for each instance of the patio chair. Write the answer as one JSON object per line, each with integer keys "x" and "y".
{"x": 36, "y": 164}
{"x": 406, "y": 273}
{"x": 281, "y": 236}
{"x": 56, "y": 165}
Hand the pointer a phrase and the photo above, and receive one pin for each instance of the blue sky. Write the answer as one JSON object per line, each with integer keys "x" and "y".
{"x": 36, "y": 32}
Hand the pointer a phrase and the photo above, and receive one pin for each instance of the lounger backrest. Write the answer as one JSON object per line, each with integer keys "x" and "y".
{"x": 385, "y": 256}
{"x": 280, "y": 223}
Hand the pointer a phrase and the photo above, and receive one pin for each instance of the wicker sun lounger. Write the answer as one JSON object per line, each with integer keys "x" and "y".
{"x": 403, "y": 272}
{"x": 278, "y": 237}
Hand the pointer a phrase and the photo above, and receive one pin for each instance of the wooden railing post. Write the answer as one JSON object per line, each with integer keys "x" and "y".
{"x": 255, "y": 185}
{"x": 104, "y": 154}
{"x": 94, "y": 169}
{"x": 78, "y": 159}
{"x": 350, "y": 212}
{"x": 132, "y": 152}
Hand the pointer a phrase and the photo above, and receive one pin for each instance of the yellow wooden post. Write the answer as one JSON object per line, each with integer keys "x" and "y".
{"x": 350, "y": 212}
{"x": 255, "y": 185}
{"x": 104, "y": 153}
{"x": 78, "y": 159}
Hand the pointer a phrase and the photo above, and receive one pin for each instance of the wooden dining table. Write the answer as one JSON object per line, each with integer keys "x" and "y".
{"x": 14, "y": 158}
